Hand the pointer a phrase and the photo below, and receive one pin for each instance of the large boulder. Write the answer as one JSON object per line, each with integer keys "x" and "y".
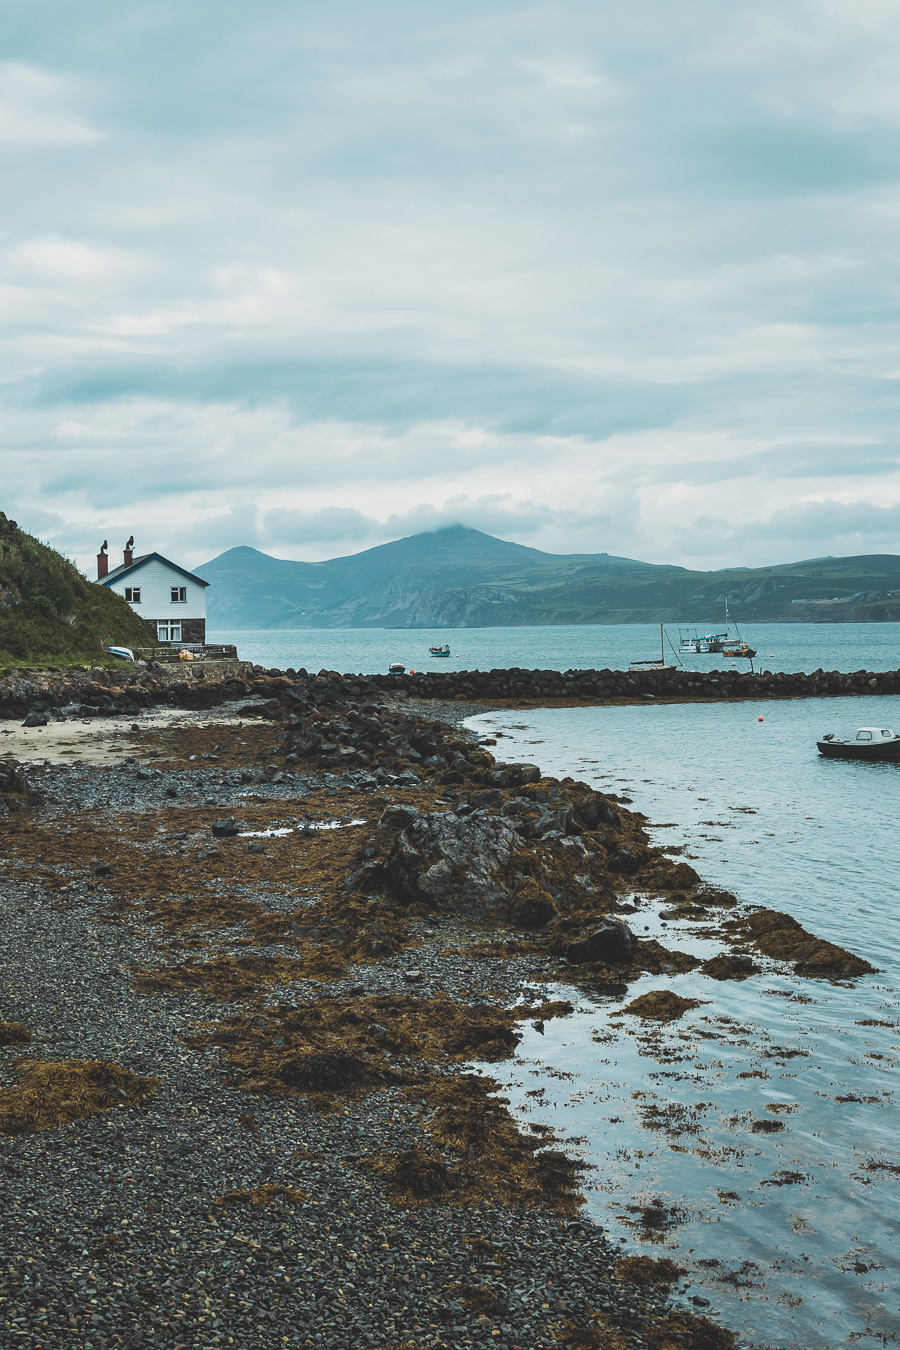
{"x": 609, "y": 941}
{"x": 460, "y": 865}
{"x": 514, "y": 775}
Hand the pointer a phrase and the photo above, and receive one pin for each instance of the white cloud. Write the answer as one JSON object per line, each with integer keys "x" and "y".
{"x": 591, "y": 277}
{"x": 35, "y": 110}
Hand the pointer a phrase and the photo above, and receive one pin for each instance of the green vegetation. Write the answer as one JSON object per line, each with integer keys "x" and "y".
{"x": 50, "y": 614}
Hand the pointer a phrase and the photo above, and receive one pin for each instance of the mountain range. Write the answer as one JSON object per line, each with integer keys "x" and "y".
{"x": 461, "y": 578}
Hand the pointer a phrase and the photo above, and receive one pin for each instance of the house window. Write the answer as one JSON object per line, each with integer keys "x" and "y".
{"x": 133, "y": 595}
{"x": 168, "y": 632}
{"x": 179, "y": 595}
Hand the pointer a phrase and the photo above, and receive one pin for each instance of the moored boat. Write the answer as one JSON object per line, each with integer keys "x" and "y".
{"x": 395, "y": 668}
{"x": 869, "y": 743}
{"x": 657, "y": 663}
{"x": 440, "y": 651}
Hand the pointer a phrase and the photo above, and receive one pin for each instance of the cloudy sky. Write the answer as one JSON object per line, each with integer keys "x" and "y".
{"x": 593, "y": 275}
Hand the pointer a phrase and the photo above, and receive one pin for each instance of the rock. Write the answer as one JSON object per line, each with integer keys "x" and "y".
{"x": 611, "y": 941}
{"x": 532, "y": 906}
{"x": 412, "y": 976}
{"x": 624, "y": 863}
{"x": 103, "y": 870}
{"x": 730, "y": 966}
{"x": 459, "y": 865}
{"x": 515, "y": 774}
{"x": 35, "y": 719}
{"x": 223, "y": 829}
{"x": 399, "y": 814}
{"x": 559, "y": 820}
{"x": 256, "y": 846}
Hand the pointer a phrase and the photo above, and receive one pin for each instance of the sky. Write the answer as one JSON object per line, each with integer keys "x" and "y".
{"x": 597, "y": 275}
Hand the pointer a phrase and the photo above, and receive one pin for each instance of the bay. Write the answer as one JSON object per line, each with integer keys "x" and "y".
{"x": 788, "y": 647}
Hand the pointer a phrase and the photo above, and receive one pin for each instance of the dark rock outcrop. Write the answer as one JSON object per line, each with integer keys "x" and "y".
{"x": 608, "y": 942}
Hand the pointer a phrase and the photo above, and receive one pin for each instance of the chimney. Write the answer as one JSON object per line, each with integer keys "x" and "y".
{"x": 129, "y": 554}
{"x": 102, "y": 561}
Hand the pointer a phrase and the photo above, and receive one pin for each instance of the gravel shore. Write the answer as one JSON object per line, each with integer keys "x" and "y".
{"x": 208, "y": 1198}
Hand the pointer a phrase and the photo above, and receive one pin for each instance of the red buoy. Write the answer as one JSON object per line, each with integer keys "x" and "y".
{"x": 759, "y": 719}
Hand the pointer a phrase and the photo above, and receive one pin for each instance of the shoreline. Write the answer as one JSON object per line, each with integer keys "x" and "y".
{"x": 308, "y": 1000}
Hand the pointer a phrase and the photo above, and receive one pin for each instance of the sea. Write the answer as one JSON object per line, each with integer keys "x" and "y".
{"x": 789, "y": 646}
{"x": 755, "y": 1141}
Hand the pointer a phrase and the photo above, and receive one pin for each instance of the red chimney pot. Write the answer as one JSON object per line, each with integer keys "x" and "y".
{"x": 102, "y": 566}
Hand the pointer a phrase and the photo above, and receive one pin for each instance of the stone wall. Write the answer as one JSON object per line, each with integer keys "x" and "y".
{"x": 599, "y": 685}
{"x": 205, "y": 684}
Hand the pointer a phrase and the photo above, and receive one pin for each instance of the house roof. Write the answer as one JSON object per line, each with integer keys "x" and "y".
{"x": 137, "y": 563}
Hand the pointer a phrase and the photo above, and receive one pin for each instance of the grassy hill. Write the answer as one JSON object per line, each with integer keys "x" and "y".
{"x": 49, "y": 613}
{"x": 462, "y": 578}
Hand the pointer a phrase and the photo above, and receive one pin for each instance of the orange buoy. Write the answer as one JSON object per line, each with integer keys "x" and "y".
{"x": 759, "y": 719}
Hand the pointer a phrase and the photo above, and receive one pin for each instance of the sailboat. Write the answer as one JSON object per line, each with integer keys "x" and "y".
{"x": 715, "y": 643}
{"x": 658, "y": 663}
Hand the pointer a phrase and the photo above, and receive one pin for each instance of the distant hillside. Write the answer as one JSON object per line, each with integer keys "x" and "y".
{"x": 461, "y": 578}
{"x": 49, "y": 612}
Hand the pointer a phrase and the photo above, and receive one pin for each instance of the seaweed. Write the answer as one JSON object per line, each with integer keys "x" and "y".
{"x": 782, "y": 937}
{"x": 416, "y": 1175}
{"x": 658, "y": 1272}
{"x": 660, "y": 1005}
{"x": 55, "y": 1092}
{"x": 13, "y": 1033}
{"x": 261, "y": 1195}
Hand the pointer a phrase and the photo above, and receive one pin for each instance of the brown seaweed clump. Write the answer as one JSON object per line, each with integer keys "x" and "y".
{"x": 660, "y": 1005}
{"x": 343, "y": 1045}
{"x": 783, "y": 938}
{"x": 688, "y": 1332}
{"x": 676, "y": 1328}
{"x": 659, "y": 1272}
{"x": 730, "y": 966}
{"x": 50, "y": 1093}
{"x": 262, "y": 1195}
{"x": 416, "y": 1175}
{"x": 13, "y": 1033}
{"x": 498, "y": 1163}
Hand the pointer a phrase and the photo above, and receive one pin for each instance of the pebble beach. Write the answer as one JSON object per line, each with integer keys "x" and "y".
{"x": 256, "y": 960}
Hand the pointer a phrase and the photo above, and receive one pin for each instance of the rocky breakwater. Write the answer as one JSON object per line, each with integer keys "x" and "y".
{"x": 602, "y": 686}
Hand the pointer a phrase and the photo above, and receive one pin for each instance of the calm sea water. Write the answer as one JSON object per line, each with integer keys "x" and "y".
{"x": 793, "y": 1236}
{"x": 790, "y": 647}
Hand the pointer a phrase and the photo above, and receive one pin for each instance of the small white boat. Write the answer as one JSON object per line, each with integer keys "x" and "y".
{"x": 123, "y": 653}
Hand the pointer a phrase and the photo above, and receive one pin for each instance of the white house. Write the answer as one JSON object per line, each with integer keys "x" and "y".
{"x": 169, "y": 597}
